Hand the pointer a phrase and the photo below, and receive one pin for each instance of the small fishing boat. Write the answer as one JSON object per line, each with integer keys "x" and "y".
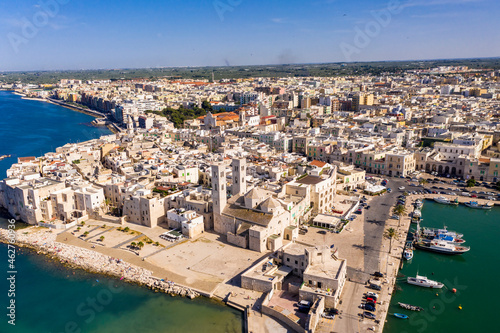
{"x": 416, "y": 216}
{"x": 400, "y": 316}
{"x": 410, "y": 307}
{"x": 408, "y": 254}
{"x": 476, "y": 205}
{"x": 418, "y": 204}
{"x": 431, "y": 233}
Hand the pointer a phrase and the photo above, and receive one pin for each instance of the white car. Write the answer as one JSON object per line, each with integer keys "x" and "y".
{"x": 371, "y": 294}
{"x": 401, "y": 188}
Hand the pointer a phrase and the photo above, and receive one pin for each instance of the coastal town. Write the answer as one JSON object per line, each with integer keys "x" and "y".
{"x": 277, "y": 196}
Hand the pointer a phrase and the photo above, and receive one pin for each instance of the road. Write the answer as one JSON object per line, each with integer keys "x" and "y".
{"x": 375, "y": 256}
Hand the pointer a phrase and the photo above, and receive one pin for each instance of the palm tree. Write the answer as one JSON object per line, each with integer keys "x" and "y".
{"x": 133, "y": 245}
{"x": 399, "y": 210}
{"x": 140, "y": 245}
{"x": 105, "y": 205}
{"x": 422, "y": 181}
{"x": 101, "y": 238}
{"x": 391, "y": 234}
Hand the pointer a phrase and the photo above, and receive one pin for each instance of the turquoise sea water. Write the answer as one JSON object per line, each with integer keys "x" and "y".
{"x": 49, "y": 297}
{"x": 474, "y": 275}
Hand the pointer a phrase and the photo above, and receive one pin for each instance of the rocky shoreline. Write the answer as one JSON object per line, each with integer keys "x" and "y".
{"x": 44, "y": 242}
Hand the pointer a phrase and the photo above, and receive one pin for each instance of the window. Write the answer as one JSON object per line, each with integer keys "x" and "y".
{"x": 288, "y": 259}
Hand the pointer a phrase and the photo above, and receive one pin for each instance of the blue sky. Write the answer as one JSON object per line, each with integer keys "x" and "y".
{"x": 91, "y": 34}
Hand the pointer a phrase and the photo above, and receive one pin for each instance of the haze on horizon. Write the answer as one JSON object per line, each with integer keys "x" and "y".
{"x": 64, "y": 34}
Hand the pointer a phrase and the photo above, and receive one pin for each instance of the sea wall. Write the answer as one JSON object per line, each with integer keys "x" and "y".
{"x": 44, "y": 241}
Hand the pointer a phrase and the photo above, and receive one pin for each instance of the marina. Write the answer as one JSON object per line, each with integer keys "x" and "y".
{"x": 464, "y": 296}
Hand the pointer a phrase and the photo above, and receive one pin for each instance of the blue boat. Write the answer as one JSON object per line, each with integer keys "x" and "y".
{"x": 400, "y": 316}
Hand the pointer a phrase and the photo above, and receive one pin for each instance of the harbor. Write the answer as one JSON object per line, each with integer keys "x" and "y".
{"x": 463, "y": 297}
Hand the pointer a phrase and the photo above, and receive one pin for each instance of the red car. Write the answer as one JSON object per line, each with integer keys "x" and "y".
{"x": 473, "y": 196}
{"x": 369, "y": 299}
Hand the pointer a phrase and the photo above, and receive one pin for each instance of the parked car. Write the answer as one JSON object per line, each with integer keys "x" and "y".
{"x": 378, "y": 274}
{"x": 371, "y": 300}
{"x": 304, "y": 306}
{"x": 327, "y": 315}
{"x": 371, "y": 294}
{"x": 369, "y": 307}
{"x": 371, "y": 304}
{"x": 401, "y": 188}
{"x": 375, "y": 287}
{"x": 369, "y": 315}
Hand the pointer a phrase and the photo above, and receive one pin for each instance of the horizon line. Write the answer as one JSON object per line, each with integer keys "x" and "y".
{"x": 255, "y": 65}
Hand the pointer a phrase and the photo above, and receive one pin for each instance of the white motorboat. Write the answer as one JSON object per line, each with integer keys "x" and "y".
{"x": 423, "y": 281}
{"x": 445, "y": 201}
{"x": 418, "y": 204}
{"x": 441, "y": 246}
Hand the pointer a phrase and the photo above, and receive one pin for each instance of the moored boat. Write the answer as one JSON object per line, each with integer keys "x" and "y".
{"x": 441, "y": 246}
{"x": 476, "y": 205}
{"x": 400, "y": 316}
{"x": 434, "y": 232}
{"x": 445, "y": 201}
{"x": 408, "y": 254}
{"x": 418, "y": 204}
{"x": 410, "y": 307}
{"x": 423, "y": 281}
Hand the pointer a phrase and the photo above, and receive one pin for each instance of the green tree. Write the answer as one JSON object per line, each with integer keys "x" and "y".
{"x": 399, "y": 210}
{"x": 126, "y": 229}
{"x": 140, "y": 245}
{"x": 133, "y": 245}
{"x": 422, "y": 181}
{"x": 101, "y": 238}
{"x": 106, "y": 204}
{"x": 206, "y": 106}
{"x": 391, "y": 234}
{"x": 86, "y": 233}
{"x": 471, "y": 182}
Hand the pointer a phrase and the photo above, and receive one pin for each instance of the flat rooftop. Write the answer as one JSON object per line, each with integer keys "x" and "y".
{"x": 309, "y": 180}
